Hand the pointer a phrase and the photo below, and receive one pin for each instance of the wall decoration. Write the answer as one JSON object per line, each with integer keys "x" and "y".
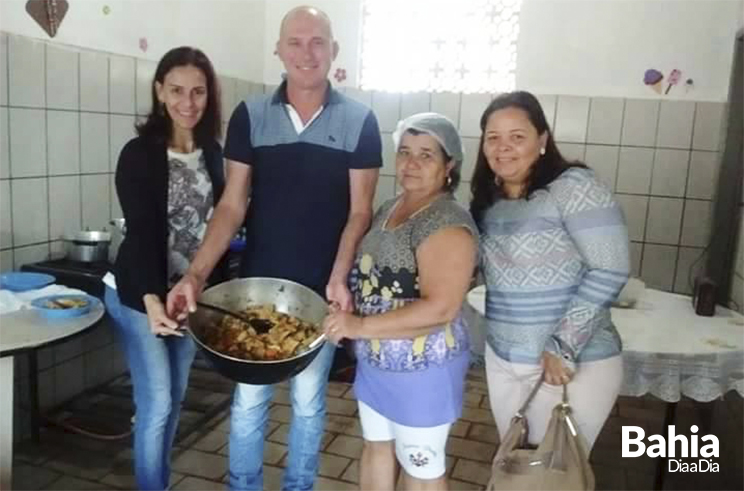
{"x": 340, "y": 75}
{"x": 653, "y": 78}
{"x": 106, "y": 10}
{"x": 689, "y": 84}
{"x": 47, "y": 13}
{"x": 143, "y": 44}
{"x": 673, "y": 79}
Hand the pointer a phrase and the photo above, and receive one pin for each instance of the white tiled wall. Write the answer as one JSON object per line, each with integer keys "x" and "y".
{"x": 660, "y": 158}
{"x": 64, "y": 116}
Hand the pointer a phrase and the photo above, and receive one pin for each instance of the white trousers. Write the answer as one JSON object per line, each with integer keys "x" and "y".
{"x": 591, "y": 393}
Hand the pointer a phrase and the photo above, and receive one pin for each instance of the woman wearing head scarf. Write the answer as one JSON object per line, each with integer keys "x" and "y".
{"x": 409, "y": 279}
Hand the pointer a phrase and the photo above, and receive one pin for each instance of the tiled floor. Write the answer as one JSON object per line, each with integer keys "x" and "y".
{"x": 67, "y": 461}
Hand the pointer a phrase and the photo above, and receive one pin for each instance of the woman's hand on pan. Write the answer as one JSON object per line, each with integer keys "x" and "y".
{"x": 160, "y": 323}
{"x": 338, "y": 293}
{"x": 556, "y": 373}
{"x": 342, "y": 325}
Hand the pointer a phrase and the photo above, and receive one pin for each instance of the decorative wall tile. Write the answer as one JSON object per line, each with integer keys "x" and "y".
{"x": 707, "y": 133}
{"x": 64, "y": 206}
{"x": 658, "y": 266}
{"x": 385, "y": 190}
{"x": 548, "y": 104}
{"x": 703, "y": 177}
{"x": 121, "y": 130}
{"x": 414, "y": 103}
{"x": 229, "y": 98}
{"x": 388, "y": 154}
{"x": 30, "y": 211}
{"x": 96, "y": 199}
{"x": 94, "y": 78}
{"x": 470, "y": 147}
{"x": 145, "y": 72}
{"x": 27, "y": 142}
{"x": 664, "y": 220}
{"x": 122, "y": 84}
{"x": 26, "y": 72}
{"x": 6, "y": 222}
{"x": 386, "y": 106}
{"x": 572, "y": 151}
{"x": 640, "y": 122}
{"x": 94, "y": 142}
{"x": 670, "y": 172}
{"x": 571, "y": 119}
{"x": 696, "y": 223}
{"x": 63, "y": 142}
{"x": 448, "y": 104}
{"x": 6, "y": 261}
{"x": 471, "y": 110}
{"x": 634, "y": 171}
{"x": 4, "y": 143}
{"x": 635, "y": 209}
{"x": 675, "y": 124}
{"x": 62, "y": 78}
{"x": 603, "y": 159}
{"x": 363, "y": 96}
{"x": 463, "y": 195}
{"x": 605, "y": 121}
{"x": 28, "y": 255}
{"x": 115, "y": 205}
{"x": 3, "y": 69}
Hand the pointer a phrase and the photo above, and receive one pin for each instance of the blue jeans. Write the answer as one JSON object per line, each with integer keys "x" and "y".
{"x": 159, "y": 368}
{"x": 250, "y": 411}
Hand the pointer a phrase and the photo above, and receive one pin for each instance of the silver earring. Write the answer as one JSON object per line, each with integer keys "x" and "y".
{"x": 449, "y": 180}
{"x": 542, "y": 151}
{"x": 497, "y": 180}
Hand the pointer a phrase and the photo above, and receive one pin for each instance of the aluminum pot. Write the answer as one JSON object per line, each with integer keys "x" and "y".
{"x": 88, "y": 246}
{"x": 287, "y": 297}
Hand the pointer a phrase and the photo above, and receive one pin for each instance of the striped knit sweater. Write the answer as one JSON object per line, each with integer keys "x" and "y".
{"x": 553, "y": 263}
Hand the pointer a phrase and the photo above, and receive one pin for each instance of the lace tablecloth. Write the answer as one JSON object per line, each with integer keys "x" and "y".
{"x": 669, "y": 351}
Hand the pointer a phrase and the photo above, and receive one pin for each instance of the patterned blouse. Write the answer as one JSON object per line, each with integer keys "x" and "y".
{"x": 416, "y": 381}
{"x": 190, "y": 204}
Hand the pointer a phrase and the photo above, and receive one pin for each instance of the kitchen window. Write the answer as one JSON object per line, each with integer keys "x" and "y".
{"x": 439, "y": 45}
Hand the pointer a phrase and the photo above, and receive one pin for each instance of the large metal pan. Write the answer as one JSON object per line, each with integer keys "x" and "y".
{"x": 287, "y": 296}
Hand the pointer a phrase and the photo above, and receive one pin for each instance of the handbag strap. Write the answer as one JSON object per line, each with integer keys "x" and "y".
{"x": 521, "y": 411}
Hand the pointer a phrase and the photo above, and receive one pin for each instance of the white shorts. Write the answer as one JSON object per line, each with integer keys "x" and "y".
{"x": 420, "y": 451}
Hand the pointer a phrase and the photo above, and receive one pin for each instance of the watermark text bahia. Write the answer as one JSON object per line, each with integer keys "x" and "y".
{"x": 701, "y": 448}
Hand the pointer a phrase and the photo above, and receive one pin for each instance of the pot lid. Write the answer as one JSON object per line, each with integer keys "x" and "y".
{"x": 89, "y": 236}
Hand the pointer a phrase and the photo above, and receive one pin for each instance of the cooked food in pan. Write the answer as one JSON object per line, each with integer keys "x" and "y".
{"x": 269, "y": 336}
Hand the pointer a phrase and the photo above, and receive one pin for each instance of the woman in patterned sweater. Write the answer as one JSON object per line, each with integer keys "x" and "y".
{"x": 554, "y": 254}
{"x": 409, "y": 279}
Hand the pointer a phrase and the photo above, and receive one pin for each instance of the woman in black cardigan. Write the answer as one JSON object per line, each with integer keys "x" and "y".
{"x": 168, "y": 180}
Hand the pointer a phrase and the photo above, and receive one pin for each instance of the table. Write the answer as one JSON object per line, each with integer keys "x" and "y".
{"x": 27, "y": 330}
{"x": 669, "y": 351}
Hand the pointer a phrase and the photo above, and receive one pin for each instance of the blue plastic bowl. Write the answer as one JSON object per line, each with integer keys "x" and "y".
{"x": 20, "y": 282}
{"x": 52, "y": 307}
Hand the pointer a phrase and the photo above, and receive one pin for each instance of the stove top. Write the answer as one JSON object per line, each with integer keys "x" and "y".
{"x": 75, "y": 274}
{"x": 65, "y": 265}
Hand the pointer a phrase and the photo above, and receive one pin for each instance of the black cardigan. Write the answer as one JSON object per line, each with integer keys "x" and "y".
{"x": 142, "y": 186}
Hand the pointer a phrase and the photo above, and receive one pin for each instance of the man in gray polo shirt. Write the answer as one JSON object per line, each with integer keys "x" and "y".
{"x": 310, "y": 158}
